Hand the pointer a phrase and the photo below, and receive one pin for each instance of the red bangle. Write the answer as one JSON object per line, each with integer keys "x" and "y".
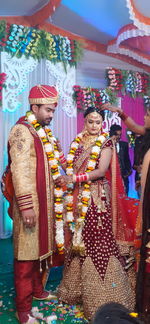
{"x": 123, "y": 116}
{"x": 82, "y": 177}
{"x": 62, "y": 159}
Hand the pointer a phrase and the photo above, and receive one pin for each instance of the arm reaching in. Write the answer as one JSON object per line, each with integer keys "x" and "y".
{"x": 129, "y": 122}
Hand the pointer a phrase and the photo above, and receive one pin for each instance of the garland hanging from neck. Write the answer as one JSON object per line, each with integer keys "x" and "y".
{"x": 86, "y": 193}
{"x": 51, "y": 150}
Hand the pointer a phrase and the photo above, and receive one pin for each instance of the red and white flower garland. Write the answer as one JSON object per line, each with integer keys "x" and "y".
{"x": 51, "y": 150}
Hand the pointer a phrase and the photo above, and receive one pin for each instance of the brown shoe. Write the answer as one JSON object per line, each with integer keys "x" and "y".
{"x": 26, "y": 318}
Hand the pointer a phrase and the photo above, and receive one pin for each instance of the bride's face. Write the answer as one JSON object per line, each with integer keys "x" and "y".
{"x": 93, "y": 123}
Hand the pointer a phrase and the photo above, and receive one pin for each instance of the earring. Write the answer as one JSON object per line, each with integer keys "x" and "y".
{"x": 85, "y": 132}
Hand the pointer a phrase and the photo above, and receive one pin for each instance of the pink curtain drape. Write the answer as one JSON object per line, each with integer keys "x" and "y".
{"x": 134, "y": 107}
{"x": 80, "y": 121}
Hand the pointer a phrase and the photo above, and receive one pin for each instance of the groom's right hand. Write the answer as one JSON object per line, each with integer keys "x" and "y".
{"x": 63, "y": 180}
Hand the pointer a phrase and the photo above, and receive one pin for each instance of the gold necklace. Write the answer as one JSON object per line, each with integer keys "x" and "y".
{"x": 88, "y": 140}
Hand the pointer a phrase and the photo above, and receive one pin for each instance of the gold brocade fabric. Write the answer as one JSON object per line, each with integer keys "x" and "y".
{"x": 83, "y": 283}
{"x": 23, "y": 168}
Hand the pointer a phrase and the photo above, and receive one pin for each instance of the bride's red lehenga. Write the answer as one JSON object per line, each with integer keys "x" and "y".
{"x": 98, "y": 275}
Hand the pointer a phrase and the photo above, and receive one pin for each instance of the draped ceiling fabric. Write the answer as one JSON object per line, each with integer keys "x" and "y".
{"x": 140, "y": 14}
{"x": 22, "y": 74}
{"x": 133, "y": 40}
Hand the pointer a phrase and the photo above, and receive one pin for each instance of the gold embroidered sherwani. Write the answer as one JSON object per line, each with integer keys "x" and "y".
{"x": 24, "y": 172}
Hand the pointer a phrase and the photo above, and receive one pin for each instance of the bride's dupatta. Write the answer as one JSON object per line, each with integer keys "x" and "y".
{"x": 124, "y": 209}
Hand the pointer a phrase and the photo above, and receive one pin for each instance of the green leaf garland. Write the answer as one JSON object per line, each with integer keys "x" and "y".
{"x": 19, "y": 40}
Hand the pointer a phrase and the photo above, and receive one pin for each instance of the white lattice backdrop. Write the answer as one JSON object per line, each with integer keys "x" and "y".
{"x": 22, "y": 74}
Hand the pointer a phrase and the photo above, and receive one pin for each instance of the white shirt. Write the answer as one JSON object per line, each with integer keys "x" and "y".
{"x": 117, "y": 147}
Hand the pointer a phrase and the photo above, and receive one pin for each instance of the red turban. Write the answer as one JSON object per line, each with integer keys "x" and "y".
{"x": 43, "y": 94}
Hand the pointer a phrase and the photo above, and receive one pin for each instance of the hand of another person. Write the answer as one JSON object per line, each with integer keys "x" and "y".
{"x": 108, "y": 106}
{"x": 29, "y": 217}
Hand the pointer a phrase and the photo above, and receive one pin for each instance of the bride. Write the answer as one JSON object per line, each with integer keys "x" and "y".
{"x": 97, "y": 233}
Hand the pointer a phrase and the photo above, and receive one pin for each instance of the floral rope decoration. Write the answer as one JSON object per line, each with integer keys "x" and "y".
{"x": 131, "y": 138}
{"x": 2, "y": 85}
{"x": 87, "y": 97}
{"x": 86, "y": 193}
{"x": 115, "y": 78}
{"x": 50, "y": 146}
{"x": 130, "y": 82}
{"x": 19, "y": 40}
{"x": 147, "y": 102}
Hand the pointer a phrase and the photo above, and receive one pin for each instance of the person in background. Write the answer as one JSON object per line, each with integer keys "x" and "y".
{"x": 142, "y": 240}
{"x": 33, "y": 161}
{"x": 123, "y": 154}
{"x": 137, "y": 163}
{"x": 115, "y": 313}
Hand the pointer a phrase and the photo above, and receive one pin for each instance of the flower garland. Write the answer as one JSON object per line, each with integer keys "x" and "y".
{"x": 90, "y": 97}
{"x": 20, "y": 40}
{"x": 86, "y": 194}
{"x": 115, "y": 79}
{"x": 130, "y": 82}
{"x": 2, "y": 85}
{"x": 131, "y": 138}
{"x": 147, "y": 102}
{"x": 51, "y": 150}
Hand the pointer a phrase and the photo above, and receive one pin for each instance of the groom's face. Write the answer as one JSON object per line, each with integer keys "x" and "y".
{"x": 44, "y": 113}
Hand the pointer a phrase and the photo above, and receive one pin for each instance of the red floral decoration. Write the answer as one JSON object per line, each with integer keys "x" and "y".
{"x": 2, "y": 85}
{"x": 4, "y": 32}
{"x": 89, "y": 97}
{"x": 115, "y": 79}
{"x": 130, "y": 82}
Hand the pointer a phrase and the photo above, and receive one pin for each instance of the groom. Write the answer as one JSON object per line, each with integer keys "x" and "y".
{"x": 33, "y": 215}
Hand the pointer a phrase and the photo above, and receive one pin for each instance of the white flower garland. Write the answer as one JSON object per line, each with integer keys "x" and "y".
{"x": 51, "y": 150}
